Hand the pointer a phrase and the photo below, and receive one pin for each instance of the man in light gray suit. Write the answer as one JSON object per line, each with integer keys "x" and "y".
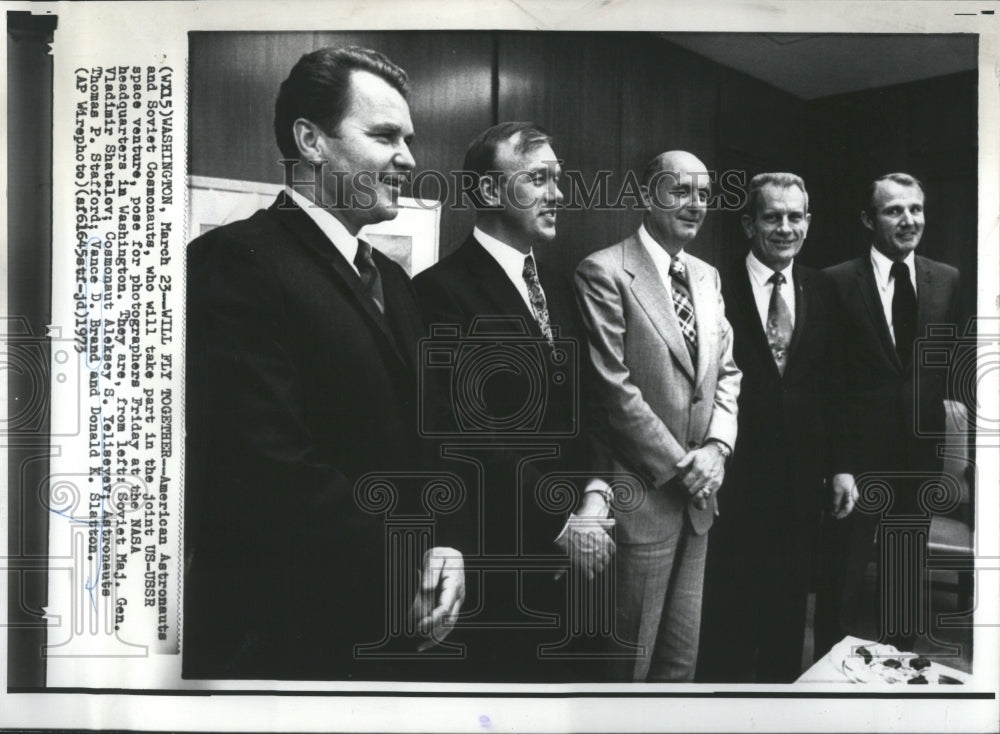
{"x": 662, "y": 350}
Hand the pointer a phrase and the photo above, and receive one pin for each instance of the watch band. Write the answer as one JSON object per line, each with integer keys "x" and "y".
{"x": 723, "y": 450}
{"x": 605, "y": 492}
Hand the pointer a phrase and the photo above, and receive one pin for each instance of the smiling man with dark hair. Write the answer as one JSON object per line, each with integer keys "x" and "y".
{"x": 302, "y": 363}
{"x": 496, "y": 275}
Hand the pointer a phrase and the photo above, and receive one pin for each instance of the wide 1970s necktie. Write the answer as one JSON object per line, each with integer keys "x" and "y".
{"x": 904, "y": 311}
{"x": 684, "y": 306}
{"x": 537, "y": 297}
{"x": 779, "y": 323}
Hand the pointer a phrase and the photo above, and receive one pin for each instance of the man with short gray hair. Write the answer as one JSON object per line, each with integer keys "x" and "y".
{"x": 761, "y": 550}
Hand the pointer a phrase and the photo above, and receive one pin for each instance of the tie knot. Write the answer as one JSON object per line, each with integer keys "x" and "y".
{"x": 364, "y": 254}
{"x": 777, "y": 279}
{"x": 677, "y": 269}
{"x": 529, "y": 267}
{"x": 899, "y": 271}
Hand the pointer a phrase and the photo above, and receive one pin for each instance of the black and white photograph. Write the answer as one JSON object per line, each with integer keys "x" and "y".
{"x": 493, "y": 373}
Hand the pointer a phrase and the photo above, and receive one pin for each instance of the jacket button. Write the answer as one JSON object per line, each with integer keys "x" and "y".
{"x": 696, "y": 399}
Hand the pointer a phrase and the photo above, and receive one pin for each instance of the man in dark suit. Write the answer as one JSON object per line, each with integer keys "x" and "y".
{"x": 662, "y": 351}
{"x": 761, "y": 548}
{"x": 529, "y": 315}
{"x": 890, "y": 296}
{"x": 302, "y": 348}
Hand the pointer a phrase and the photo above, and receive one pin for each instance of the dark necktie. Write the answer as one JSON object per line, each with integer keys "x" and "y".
{"x": 370, "y": 278}
{"x": 537, "y": 297}
{"x": 904, "y": 311}
{"x": 779, "y": 323}
{"x": 683, "y": 306}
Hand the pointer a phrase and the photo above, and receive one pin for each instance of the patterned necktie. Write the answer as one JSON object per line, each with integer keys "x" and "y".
{"x": 537, "y": 297}
{"x": 683, "y": 305}
{"x": 370, "y": 278}
{"x": 904, "y": 311}
{"x": 779, "y": 323}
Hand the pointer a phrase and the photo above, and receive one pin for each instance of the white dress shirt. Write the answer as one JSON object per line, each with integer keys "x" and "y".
{"x": 332, "y": 227}
{"x": 661, "y": 258}
{"x": 886, "y": 286}
{"x": 510, "y": 260}
{"x": 759, "y": 275}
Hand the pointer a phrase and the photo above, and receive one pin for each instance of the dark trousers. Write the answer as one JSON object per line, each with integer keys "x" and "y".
{"x": 754, "y": 610}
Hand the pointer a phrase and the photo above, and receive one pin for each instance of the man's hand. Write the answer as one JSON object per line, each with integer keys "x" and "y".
{"x": 702, "y": 471}
{"x": 442, "y": 591}
{"x": 845, "y": 494}
{"x": 586, "y": 541}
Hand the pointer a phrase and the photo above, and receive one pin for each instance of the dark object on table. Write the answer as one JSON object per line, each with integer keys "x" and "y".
{"x": 919, "y": 662}
{"x": 919, "y": 680}
{"x": 865, "y": 655}
{"x": 892, "y": 663}
{"x": 948, "y": 680}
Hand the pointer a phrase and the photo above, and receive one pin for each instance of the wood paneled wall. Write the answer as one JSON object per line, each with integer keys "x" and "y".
{"x": 611, "y": 101}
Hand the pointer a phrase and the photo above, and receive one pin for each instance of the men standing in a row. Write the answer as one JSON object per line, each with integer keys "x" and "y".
{"x": 895, "y": 414}
{"x": 302, "y": 349}
{"x": 528, "y": 323}
{"x": 662, "y": 350}
{"x": 762, "y": 547}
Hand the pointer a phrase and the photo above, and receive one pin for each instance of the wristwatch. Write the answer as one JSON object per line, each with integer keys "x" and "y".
{"x": 722, "y": 448}
{"x": 604, "y": 491}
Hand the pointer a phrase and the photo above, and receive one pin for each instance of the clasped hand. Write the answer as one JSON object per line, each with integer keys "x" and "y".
{"x": 440, "y": 596}
{"x": 701, "y": 473}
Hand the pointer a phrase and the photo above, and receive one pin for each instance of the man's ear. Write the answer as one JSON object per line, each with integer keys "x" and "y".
{"x": 867, "y": 220}
{"x": 644, "y": 193}
{"x": 489, "y": 190}
{"x": 747, "y": 221}
{"x": 308, "y": 138}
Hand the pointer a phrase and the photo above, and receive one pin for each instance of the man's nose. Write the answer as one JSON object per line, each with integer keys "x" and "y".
{"x": 403, "y": 157}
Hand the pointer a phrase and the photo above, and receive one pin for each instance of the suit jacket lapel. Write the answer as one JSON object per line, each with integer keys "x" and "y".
{"x": 800, "y": 282}
{"x": 496, "y": 286}
{"x": 311, "y": 236}
{"x": 705, "y": 305}
{"x": 746, "y": 309}
{"x": 876, "y": 315}
{"x": 654, "y": 299}
{"x": 929, "y": 297}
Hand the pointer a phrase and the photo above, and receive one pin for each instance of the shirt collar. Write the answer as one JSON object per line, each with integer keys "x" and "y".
{"x": 761, "y": 273}
{"x": 333, "y": 228}
{"x": 509, "y": 258}
{"x": 660, "y": 256}
{"x": 883, "y": 265}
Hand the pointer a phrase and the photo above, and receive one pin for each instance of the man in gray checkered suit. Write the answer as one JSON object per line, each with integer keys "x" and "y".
{"x": 662, "y": 351}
